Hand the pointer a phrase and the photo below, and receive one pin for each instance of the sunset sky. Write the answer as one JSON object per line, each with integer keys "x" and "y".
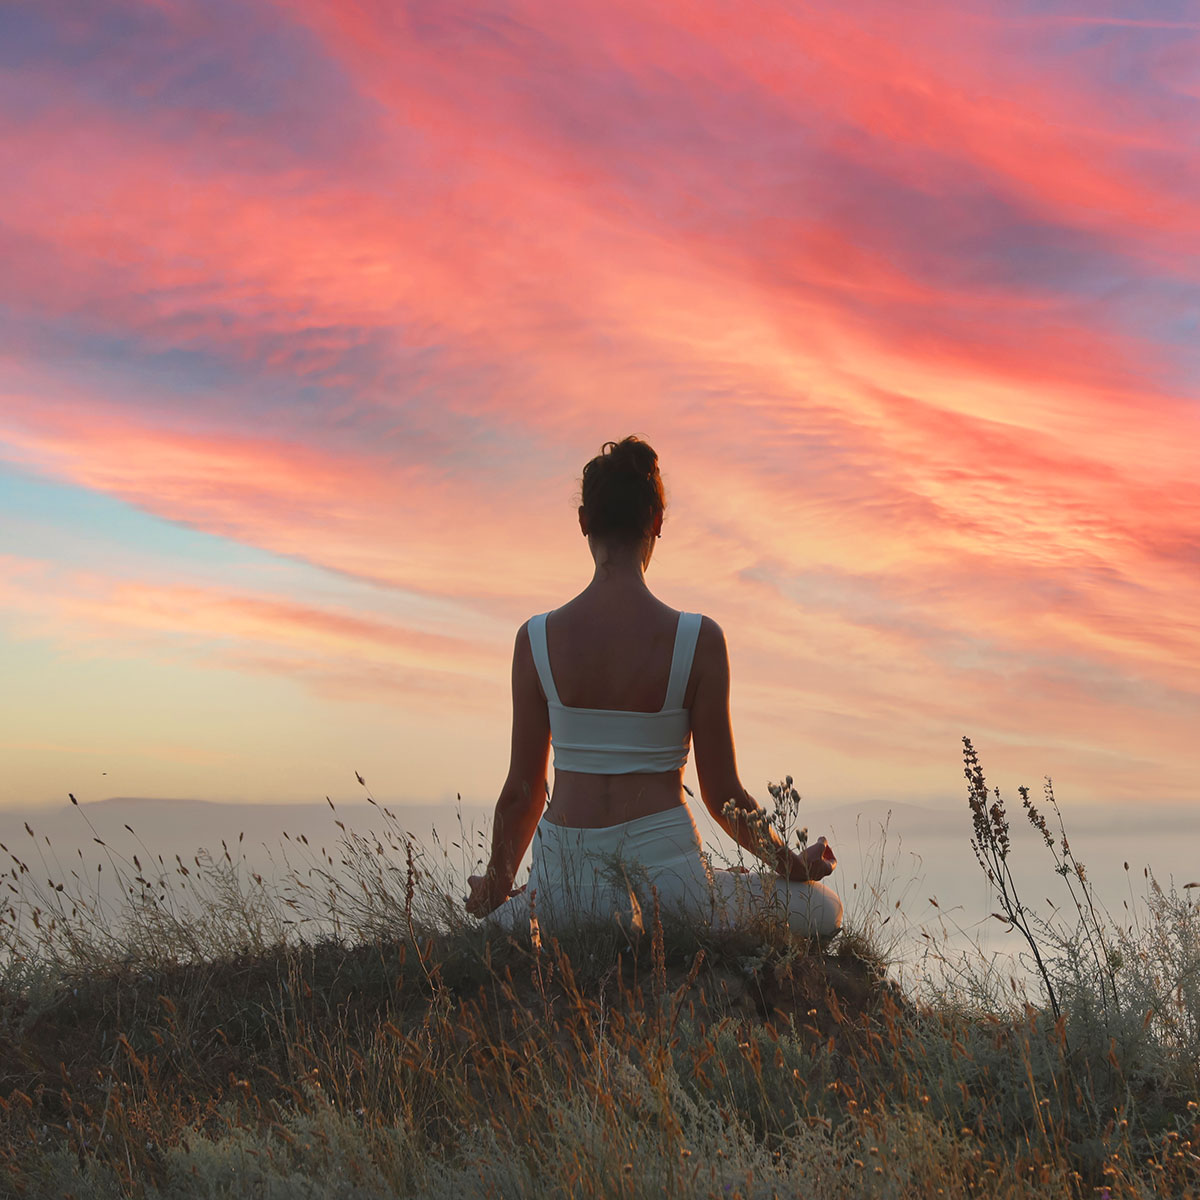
{"x": 312, "y": 311}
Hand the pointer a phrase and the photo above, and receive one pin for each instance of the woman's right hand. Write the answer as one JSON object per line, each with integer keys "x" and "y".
{"x": 812, "y": 863}
{"x": 487, "y": 894}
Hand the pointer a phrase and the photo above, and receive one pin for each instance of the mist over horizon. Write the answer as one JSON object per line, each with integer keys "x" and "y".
{"x": 894, "y": 858}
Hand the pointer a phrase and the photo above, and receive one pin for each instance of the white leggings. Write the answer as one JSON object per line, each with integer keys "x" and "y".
{"x": 598, "y": 874}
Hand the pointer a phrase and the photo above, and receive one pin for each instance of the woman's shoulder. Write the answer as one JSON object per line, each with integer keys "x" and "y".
{"x": 523, "y": 638}
{"x": 573, "y": 612}
{"x": 711, "y": 655}
{"x": 710, "y": 631}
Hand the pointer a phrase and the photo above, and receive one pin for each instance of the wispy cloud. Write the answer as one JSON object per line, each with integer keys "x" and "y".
{"x": 904, "y": 297}
{"x": 88, "y": 612}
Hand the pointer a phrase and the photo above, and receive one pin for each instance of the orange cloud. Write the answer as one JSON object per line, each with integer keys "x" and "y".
{"x": 95, "y": 614}
{"x": 900, "y": 310}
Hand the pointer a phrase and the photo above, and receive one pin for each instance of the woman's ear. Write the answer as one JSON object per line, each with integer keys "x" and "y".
{"x": 583, "y": 522}
{"x": 656, "y": 528}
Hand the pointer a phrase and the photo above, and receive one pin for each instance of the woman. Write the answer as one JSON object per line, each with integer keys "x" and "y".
{"x": 618, "y": 683}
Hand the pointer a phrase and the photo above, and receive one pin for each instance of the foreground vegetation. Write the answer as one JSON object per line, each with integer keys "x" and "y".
{"x": 351, "y": 1035}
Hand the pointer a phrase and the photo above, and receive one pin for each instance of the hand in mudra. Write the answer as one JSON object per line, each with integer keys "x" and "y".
{"x": 813, "y": 862}
{"x": 486, "y": 894}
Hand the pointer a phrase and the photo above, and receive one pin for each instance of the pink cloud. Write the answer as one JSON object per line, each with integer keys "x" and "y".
{"x": 928, "y": 490}
{"x": 405, "y": 524}
{"x": 329, "y": 649}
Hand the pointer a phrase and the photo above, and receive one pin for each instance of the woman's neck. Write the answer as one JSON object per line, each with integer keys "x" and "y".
{"x": 619, "y": 567}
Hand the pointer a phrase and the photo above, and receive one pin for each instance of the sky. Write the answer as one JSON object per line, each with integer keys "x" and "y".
{"x": 312, "y": 311}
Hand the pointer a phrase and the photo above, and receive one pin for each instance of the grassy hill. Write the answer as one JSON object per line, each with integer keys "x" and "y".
{"x": 210, "y": 1043}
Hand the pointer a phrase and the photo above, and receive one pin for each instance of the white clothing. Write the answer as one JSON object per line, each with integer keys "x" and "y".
{"x": 606, "y": 741}
{"x": 596, "y": 875}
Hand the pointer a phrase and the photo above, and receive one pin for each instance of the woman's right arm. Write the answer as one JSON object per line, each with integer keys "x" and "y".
{"x": 732, "y": 807}
{"x": 523, "y": 795}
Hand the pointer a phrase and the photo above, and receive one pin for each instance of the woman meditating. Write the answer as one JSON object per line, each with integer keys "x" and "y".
{"x": 619, "y": 683}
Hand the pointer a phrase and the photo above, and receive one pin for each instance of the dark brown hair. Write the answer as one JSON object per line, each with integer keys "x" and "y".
{"x": 623, "y": 491}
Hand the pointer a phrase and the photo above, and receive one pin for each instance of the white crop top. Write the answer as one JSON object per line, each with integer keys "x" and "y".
{"x": 609, "y": 741}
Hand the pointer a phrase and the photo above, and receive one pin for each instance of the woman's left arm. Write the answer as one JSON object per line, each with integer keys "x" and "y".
{"x": 523, "y": 795}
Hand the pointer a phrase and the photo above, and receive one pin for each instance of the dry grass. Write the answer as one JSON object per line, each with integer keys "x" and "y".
{"x": 351, "y": 1034}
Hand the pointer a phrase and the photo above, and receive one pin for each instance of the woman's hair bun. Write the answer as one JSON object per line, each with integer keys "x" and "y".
{"x": 632, "y": 455}
{"x": 623, "y": 491}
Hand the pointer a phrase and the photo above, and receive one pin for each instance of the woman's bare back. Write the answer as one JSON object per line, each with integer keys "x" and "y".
{"x": 612, "y": 650}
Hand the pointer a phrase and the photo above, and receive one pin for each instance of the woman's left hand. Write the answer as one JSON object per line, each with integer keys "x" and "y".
{"x": 812, "y": 863}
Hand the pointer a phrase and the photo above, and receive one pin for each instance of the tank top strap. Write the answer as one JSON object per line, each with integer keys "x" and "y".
{"x": 686, "y": 633}
{"x": 541, "y": 656}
